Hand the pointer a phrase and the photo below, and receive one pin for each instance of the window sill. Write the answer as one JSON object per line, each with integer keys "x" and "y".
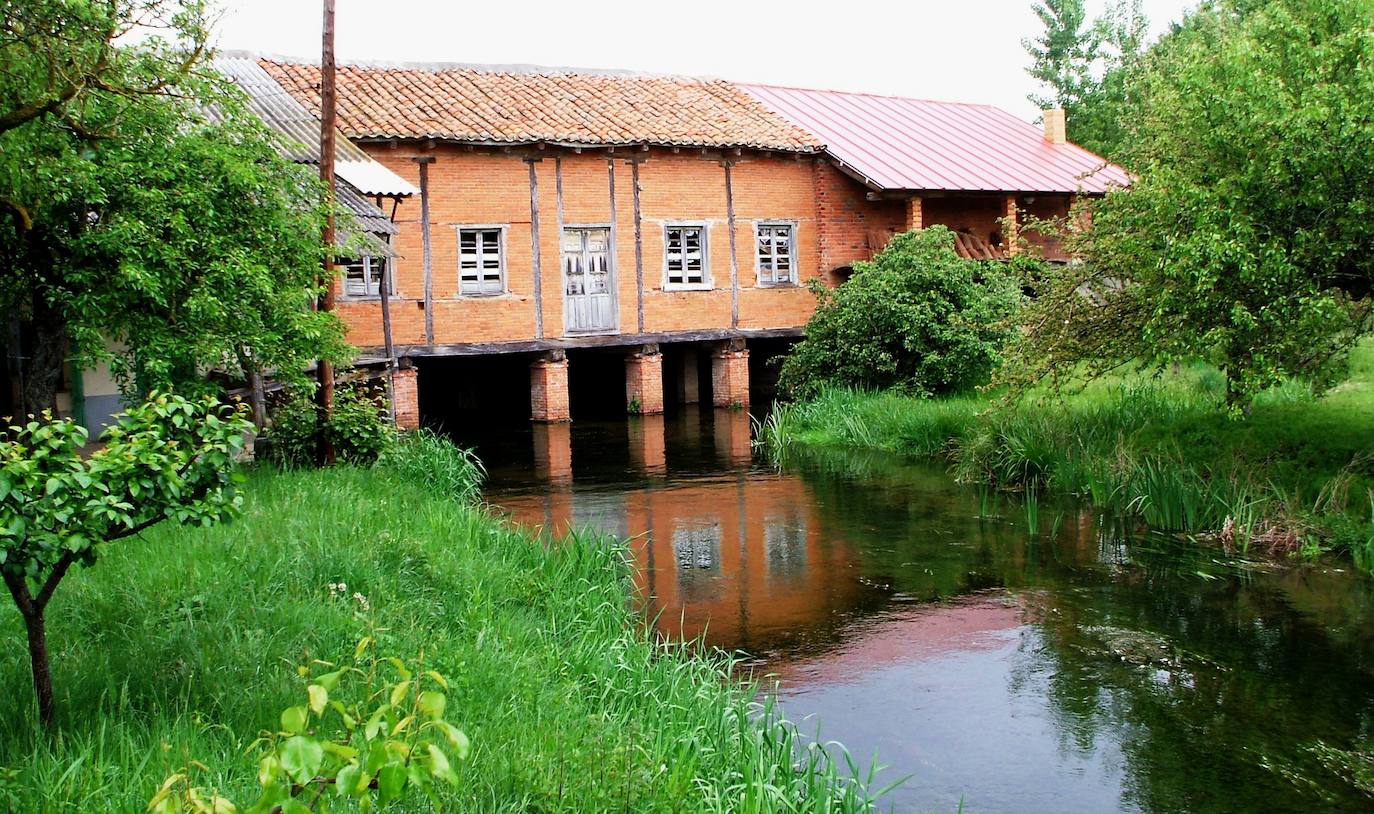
{"x": 672, "y": 289}
{"x": 778, "y": 285}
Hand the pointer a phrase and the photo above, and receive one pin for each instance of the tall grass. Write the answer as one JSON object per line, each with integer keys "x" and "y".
{"x": 181, "y": 645}
{"x": 1158, "y": 447}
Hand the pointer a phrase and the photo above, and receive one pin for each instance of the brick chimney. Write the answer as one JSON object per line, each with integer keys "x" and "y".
{"x": 1055, "y": 130}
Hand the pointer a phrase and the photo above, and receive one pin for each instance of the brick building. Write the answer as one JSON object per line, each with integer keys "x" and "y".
{"x": 670, "y": 223}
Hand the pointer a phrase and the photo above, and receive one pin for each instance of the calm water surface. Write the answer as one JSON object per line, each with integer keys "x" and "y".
{"x": 1087, "y": 668}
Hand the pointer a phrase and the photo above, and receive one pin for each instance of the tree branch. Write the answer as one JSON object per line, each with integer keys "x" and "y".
{"x": 19, "y": 589}
{"x": 50, "y": 584}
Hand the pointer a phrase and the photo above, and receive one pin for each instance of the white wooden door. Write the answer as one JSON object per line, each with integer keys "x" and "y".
{"x": 589, "y": 297}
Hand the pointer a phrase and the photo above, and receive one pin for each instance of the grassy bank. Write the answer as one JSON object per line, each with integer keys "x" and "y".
{"x": 1295, "y": 474}
{"x": 183, "y": 644}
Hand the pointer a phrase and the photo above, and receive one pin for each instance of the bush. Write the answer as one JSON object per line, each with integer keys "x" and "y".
{"x": 358, "y": 429}
{"x": 430, "y": 460}
{"x": 917, "y": 318}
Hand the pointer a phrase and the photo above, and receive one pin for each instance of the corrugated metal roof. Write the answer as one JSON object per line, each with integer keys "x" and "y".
{"x": 896, "y": 143}
{"x": 281, "y": 112}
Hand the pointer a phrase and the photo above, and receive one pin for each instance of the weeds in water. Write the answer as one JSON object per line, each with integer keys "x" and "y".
{"x": 1031, "y": 503}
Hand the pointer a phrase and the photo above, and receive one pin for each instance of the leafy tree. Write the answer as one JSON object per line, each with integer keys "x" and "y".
{"x": 1063, "y": 54}
{"x": 153, "y": 214}
{"x": 1086, "y": 68}
{"x": 165, "y": 459}
{"x": 1247, "y": 237}
{"x": 918, "y": 317}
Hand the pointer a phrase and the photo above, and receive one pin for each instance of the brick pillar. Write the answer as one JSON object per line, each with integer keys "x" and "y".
{"x": 1012, "y": 230}
{"x": 730, "y": 377}
{"x": 644, "y": 381}
{"x": 914, "y": 217}
{"x": 549, "y": 389}
{"x": 405, "y": 397}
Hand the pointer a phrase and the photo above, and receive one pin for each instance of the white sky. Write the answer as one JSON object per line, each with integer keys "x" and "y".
{"x": 961, "y": 50}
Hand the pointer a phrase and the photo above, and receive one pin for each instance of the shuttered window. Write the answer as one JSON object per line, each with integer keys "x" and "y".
{"x": 776, "y": 254}
{"x": 481, "y": 261}
{"x": 363, "y": 276}
{"x": 685, "y": 258}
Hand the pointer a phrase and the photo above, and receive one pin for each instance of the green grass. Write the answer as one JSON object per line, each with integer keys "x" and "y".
{"x": 182, "y": 645}
{"x": 1296, "y": 473}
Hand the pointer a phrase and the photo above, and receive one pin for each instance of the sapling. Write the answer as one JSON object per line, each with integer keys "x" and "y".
{"x": 164, "y": 459}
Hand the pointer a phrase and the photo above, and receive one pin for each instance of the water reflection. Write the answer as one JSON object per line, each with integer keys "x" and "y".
{"x": 1087, "y": 667}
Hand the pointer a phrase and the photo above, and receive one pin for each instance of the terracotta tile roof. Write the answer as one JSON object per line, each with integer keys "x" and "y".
{"x": 520, "y": 106}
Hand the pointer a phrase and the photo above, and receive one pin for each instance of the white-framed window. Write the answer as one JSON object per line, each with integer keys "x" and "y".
{"x": 481, "y": 260}
{"x": 775, "y": 252}
{"x": 686, "y": 263}
{"x": 363, "y": 276}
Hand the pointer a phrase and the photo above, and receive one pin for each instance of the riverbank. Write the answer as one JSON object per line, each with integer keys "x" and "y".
{"x": 182, "y": 645}
{"x": 1296, "y": 475}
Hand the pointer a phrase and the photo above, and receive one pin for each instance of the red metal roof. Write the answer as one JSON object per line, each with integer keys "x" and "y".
{"x": 914, "y": 144}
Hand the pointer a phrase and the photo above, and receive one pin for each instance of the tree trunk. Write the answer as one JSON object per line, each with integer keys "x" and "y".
{"x": 46, "y": 356}
{"x": 38, "y": 663}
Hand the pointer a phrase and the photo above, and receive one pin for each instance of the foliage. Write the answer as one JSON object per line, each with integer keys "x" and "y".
{"x": 1086, "y": 68}
{"x": 1246, "y": 238}
{"x": 430, "y": 460}
{"x": 55, "y": 54}
{"x": 357, "y": 427}
{"x": 164, "y": 232}
{"x": 388, "y": 738}
{"x": 571, "y": 701}
{"x": 1296, "y": 473}
{"x": 917, "y": 317}
{"x": 164, "y": 459}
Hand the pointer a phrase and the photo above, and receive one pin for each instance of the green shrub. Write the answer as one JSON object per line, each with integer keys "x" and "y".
{"x": 430, "y": 460}
{"x": 358, "y": 428}
{"x": 917, "y": 318}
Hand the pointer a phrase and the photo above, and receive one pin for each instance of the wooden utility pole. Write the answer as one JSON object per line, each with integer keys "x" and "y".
{"x": 325, "y": 395}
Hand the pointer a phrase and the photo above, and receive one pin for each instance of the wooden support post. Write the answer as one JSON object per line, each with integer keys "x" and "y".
{"x": 615, "y": 227}
{"x": 639, "y": 249}
{"x": 734, "y": 255}
{"x": 328, "y": 102}
{"x": 535, "y": 252}
{"x": 424, "y": 161}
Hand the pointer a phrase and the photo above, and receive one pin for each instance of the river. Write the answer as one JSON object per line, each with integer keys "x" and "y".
{"x": 1087, "y": 667}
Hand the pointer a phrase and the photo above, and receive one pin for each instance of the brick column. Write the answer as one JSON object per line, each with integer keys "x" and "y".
{"x": 644, "y": 381}
{"x": 405, "y": 397}
{"x": 730, "y": 377}
{"x": 553, "y": 456}
{"x": 1012, "y": 229}
{"x": 549, "y": 389}
{"x": 915, "y": 219}
{"x": 730, "y": 431}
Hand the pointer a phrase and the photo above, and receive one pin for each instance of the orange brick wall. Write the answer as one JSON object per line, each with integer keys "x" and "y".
{"x": 492, "y": 188}
{"x": 852, "y": 227}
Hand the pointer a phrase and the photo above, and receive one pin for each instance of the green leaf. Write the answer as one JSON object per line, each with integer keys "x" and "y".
{"x": 346, "y": 781}
{"x": 439, "y": 765}
{"x": 294, "y": 719}
{"x": 319, "y": 697}
{"x": 391, "y": 780}
{"x": 455, "y": 737}
{"x": 398, "y": 693}
{"x": 301, "y": 757}
{"x": 432, "y": 703}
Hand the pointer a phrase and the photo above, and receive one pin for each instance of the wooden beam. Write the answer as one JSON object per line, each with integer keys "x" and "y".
{"x": 639, "y": 249}
{"x": 424, "y": 162}
{"x": 734, "y": 255}
{"x": 615, "y": 259}
{"x": 558, "y": 206}
{"x": 609, "y": 341}
{"x": 534, "y": 254}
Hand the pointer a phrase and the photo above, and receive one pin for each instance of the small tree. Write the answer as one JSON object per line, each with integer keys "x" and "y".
{"x": 1246, "y": 237}
{"x": 165, "y": 459}
{"x": 918, "y": 317}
